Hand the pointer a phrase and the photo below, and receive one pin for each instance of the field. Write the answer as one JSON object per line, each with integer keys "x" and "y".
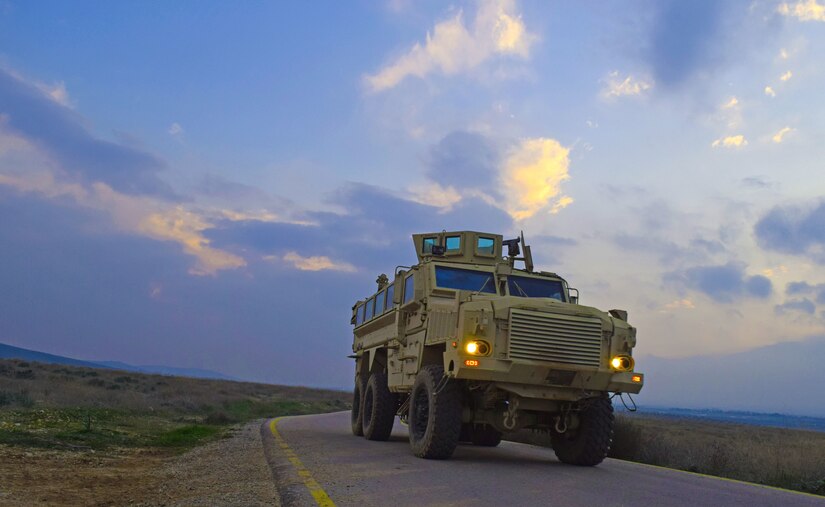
{"x": 75, "y": 429}
{"x": 779, "y": 457}
{"x": 72, "y": 435}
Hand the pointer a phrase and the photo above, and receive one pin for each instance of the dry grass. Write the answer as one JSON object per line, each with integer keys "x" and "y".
{"x": 46, "y": 405}
{"x": 82, "y": 436}
{"x": 785, "y": 458}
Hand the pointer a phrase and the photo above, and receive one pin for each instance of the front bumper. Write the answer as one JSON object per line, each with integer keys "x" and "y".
{"x": 534, "y": 379}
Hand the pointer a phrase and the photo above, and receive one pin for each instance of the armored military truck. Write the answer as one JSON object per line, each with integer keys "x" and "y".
{"x": 473, "y": 342}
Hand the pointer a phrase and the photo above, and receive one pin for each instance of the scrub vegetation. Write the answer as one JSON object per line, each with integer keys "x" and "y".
{"x": 67, "y": 407}
{"x": 82, "y": 436}
{"x": 779, "y": 457}
{"x": 784, "y": 458}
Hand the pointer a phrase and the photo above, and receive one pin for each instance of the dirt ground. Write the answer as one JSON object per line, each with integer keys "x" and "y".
{"x": 230, "y": 471}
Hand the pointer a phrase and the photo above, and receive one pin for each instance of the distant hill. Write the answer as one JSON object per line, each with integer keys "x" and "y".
{"x": 11, "y": 352}
{"x": 785, "y": 378}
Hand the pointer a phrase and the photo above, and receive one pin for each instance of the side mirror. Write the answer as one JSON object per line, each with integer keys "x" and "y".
{"x": 573, "y": 299}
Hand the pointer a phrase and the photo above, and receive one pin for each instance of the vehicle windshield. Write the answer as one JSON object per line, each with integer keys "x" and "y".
{"x": 464, "y": 279}
{"x": 527, "y": 287}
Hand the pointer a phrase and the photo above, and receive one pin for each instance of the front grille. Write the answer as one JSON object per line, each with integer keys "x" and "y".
{"x": 558, "y": 338}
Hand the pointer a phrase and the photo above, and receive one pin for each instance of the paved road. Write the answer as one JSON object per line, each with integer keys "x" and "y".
{"x": 348, "y": 470}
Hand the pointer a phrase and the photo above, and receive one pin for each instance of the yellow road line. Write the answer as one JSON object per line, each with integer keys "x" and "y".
{"x": 312, "y": 485}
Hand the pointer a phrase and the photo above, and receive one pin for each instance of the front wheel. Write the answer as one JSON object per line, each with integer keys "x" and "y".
{"x": 588, "y": 444}
{"x": 435, "y": 414}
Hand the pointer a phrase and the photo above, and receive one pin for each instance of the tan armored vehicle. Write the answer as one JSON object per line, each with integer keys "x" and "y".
{"x": 465, "y": 346}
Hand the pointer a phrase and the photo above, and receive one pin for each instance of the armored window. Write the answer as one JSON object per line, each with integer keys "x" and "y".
{"x": 409, "y": 289}
{"x": 428, "y": 245}
{"x": 464, "y": 279}
{"x": 370, "y": 309}
{"x": 486, "y": 246}
{"x": 390, "y": 296}
{"x": 453, "y": 244}
{"x": 379, "y": 303}
{"x": 359, "y": 315}
{"x": 526, "y": 287}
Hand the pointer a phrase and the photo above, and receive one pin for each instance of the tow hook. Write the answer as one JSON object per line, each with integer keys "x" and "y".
{"x": 562, "y": 419}
{"x": 511, "y": 415}
{"x": 561, "y": 424}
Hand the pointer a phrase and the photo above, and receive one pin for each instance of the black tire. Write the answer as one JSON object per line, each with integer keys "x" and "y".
{"x": 356, "y": 419}
{"x": 378, "y": 408}
{"x": 588, "y": 444}
{"x": 434, "y": 417}
{"x": 485, "y": 435}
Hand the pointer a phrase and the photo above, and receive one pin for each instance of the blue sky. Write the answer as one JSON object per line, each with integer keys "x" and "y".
{"x": 213, "y": 185}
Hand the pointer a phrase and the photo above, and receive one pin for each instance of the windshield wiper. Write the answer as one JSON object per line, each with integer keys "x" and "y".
{"x": 523, "y": 294}
{"x": 486, "y": 280}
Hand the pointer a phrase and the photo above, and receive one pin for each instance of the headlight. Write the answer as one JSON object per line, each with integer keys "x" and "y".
{"x": 477, "y": 348}
{"x": 622, "y": 363}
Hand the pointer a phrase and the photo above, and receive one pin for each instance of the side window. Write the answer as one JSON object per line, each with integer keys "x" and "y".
{"x": 453, "y": 243}
{"x": 379, "y": 303}
{"x": 390, "y": 295}
{"x": 370, "y": 309}
{"x": 359, "y": 316}
{"x": 486, "y": 246}
{"x": 428, "y": 245}
{"x": 409, "y": 289}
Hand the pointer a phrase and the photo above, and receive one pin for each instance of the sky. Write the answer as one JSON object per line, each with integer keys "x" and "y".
{"x": 214, "y": 184}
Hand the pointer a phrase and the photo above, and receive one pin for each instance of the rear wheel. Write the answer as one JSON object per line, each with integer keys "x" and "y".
{"x": 588, "y": 444}
{"x": 379, "y": 408}
{"x": 435, "y": 414}
{"x": 356, "y": 417}
{"x": 485, "y": 435}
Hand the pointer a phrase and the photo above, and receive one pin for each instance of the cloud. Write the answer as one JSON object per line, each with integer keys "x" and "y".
{"x": 532, "y": 174}
{"x": 46, "y": 152}
{"x": 463, "y": 160}
{"x": 175, "y": 129}
{"x": 730, "y": 104}
{"x": 553, "y": 242}
{"x": 795, "y": 230}
{"x": 58, "y": 131}
{"x": 57, "y": 92}
{"x": 769, "y": 91}
{"x": 722, "y": 283}
{"x": 433, "y": 194}
{"x": 615, "y": 86}
{"x": 737, "y": 141}
{"x": 143, "y": 215}
{"x": 804, "y": 288}
{"x": 453, "y": 47}
{"x": 756, "y": 182}
{"x": 680, "y": 304}
{"x": 316, "y": 263}
{"x": 798, "y": 305}
{"x": 780, "y": 136}
{"x": 807, "y": 10}
{"x": 186, "y": 228}
{"x": 685, "y": 39}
